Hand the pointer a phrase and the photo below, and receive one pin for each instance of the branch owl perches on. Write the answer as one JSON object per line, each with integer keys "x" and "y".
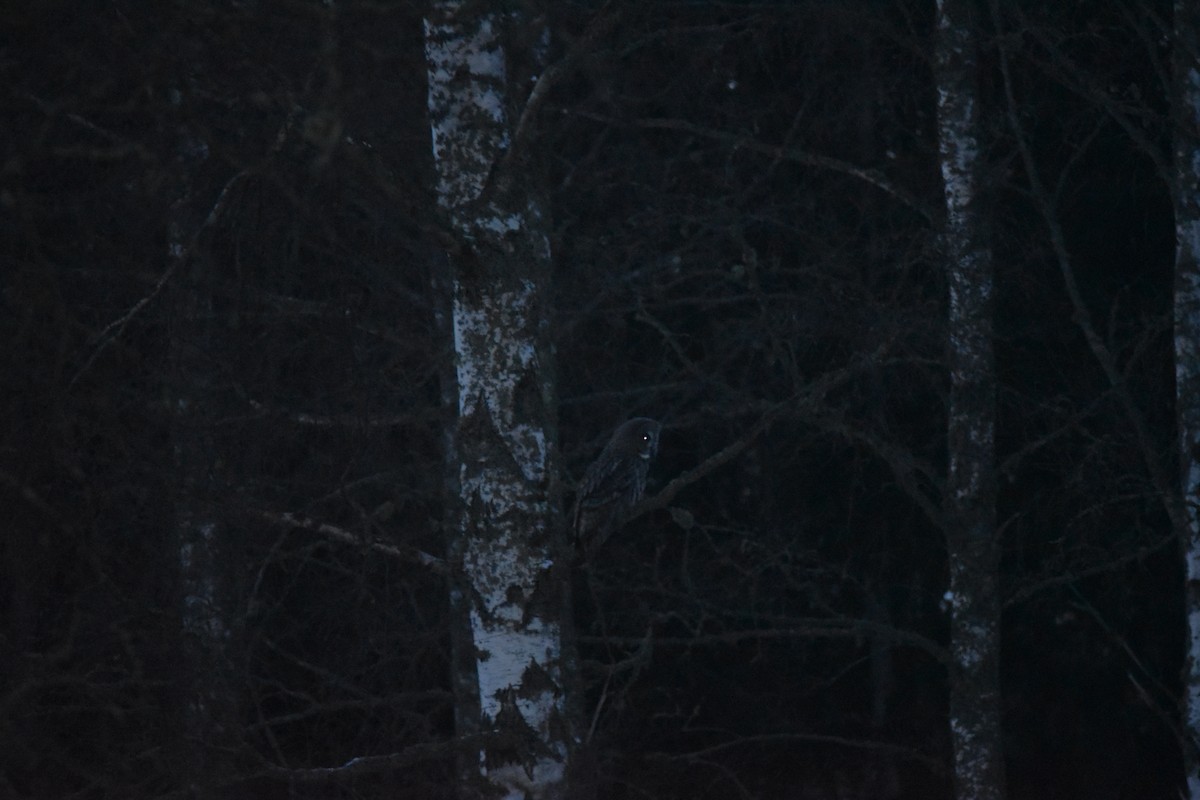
{"x": 613, "y": 484}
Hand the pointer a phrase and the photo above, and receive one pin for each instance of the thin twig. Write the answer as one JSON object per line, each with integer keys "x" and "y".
{"x": 1163, "y": 484}
{"x": 114, "y": 329}
{"x": 603, "y": 22}
{"x": 742, "y": 141}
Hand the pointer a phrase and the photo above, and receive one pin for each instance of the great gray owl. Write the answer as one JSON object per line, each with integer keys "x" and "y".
{"x": 614, "y": 483}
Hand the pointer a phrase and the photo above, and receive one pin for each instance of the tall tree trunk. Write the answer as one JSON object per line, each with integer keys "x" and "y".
{"x": 506, "y": 532}
{"x": 1187, "y": 350}
{"x": 970, "y": 493}
{"x": 207, "y": 708}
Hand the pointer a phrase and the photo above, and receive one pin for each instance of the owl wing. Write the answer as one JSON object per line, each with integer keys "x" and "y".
{"x": 611, "y": 485}
{"x": 608, "y": 479}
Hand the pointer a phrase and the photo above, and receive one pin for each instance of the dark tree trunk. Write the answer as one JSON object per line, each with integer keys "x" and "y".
{"x": 1186, "y": 135}
{"x": 970, "y": 491}
{"x": 207, "y": 704}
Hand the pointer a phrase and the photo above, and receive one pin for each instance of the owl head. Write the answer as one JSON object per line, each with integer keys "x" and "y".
{"x": 637, "y": 436}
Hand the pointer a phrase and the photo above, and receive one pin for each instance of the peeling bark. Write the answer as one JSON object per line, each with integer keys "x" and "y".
{"x": 508, "y": 589}
{"x": 973, "y": 597}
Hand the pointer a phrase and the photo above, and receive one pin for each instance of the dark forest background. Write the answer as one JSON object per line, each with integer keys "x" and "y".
{"x": 218, "y": 236}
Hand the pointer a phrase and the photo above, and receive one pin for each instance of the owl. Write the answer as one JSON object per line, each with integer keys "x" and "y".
{"x": 614, "y": 483}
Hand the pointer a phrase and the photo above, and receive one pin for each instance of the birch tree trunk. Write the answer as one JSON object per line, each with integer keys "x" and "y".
{"x": 513, "y": 685}
{"x": 970, "y": 501}
{"x": 1187, "y": 350}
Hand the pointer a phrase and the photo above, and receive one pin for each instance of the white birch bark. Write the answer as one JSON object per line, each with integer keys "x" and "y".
{"x": 970, "y": 502}
{"x": 1187, "y": 350}
{"x": 504, "y": 427}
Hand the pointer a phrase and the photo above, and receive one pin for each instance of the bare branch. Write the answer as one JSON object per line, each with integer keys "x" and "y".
{"x": 810, "y": 397}
{"x": 123, "y": 144}
{"x": 179, "y": 256}
{"x": 604, "y": 21}
{"x": 1163, "y": 484}
{"x": 911, "y": 473}
{"x": 368, "y": 765}
{"x": 664, "y": 497}
{"x": 114, "y": 329}
{"x": 1073, "y": 577}
{"x": 410, "y": 554}
{"x": 348, "y": 420}
{"x": 1130, "y": 118}
{"x": 936, "y": 765}
{"x": 815, "y": 628}
{"x": 742, "y": 141}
